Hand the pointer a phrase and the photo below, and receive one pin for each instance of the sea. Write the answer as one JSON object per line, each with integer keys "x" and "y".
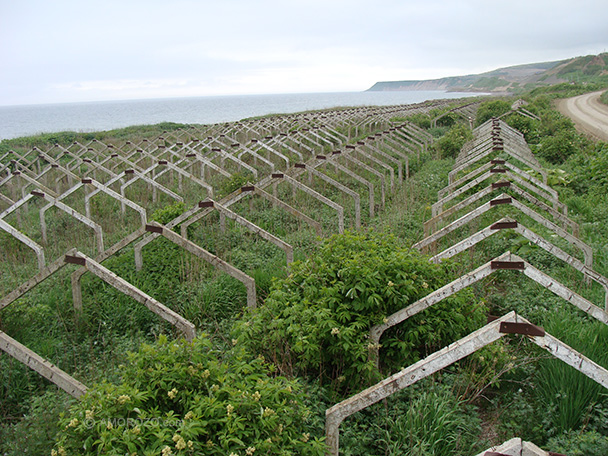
{"x": 27, "y": 120}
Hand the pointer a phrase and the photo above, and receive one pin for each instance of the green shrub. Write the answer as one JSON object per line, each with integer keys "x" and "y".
{"x": 185, "y": 398}
{"x": 489, "y": 109}
{"x": 169, "y": 212}
{"x": 579, "y": 444}
{"x": 450, "y": 144}
{"x": 316, "y": 321}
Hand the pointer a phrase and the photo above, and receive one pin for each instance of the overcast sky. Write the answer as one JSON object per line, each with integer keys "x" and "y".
{"x": 89, "y": 50}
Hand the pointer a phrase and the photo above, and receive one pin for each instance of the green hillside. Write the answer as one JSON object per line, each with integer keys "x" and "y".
{"x": 514, "y": 79}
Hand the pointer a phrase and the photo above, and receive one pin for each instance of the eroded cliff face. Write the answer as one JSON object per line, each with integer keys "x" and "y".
{"x": 509, "y": 78}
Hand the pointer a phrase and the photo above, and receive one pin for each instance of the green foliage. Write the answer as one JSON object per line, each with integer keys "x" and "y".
{"x": 591, "y": 168}
{"x": 489, "y": 109}
{"x": 525, "y": 125}
{"x": 35, "y": 432}
{"x": 450, "y": 144}
{"x": 433, "y": 424}
{"x": 604, "y": 97}
{"x": 555, "y": 176}
{"x": 421, "y": 120}
{"x": 190, "y": 398}
{"x": 169, "y": 212}
{"x": 579, "y": 444}
{"x": 568, "y": 393}
{"x": 316, "y": 321}
{"x": 237, "y": 181}
{"x": 569, "y": 89}
{"x": 427, "y": 418}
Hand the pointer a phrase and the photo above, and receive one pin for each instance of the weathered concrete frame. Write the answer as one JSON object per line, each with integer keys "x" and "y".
{"x": 189, "y": 217}
{"x": 374, "y": 149}
{"x": 445, "y": 357}
{"x": 75, "y": 257}
{"x": 224, "y": 212}
{"x": 487, "y": 149}
{"x": 516, "y": 447}
{"x": 348, "y": 157}
{"x": 38, "y": 364}
{"x": 313, "y": 171}
{"x": 338, "y": 166}
{"x": 509, "y": 223}
{"x": 485, "y": 146}
{"x": 429, "y": 225}
{"x": 71, "y": 212}
{"x": 155, "y": 185}
{"x": 25, "y": 240}
{"x": 45, "y": 368}
{"x": 499, "y": 131}
{"x": 199, "y": 252}
{"x": 506, "y": 199}
{"x": 381, "y": 141}
{"x": 361, "y": 151}
{"x": 29, "y": 180}
{"x": 203, "y": 162}
{"x": 182, "y": 173}
{"x": 223, "y": 155}
{"x": 474, "y": 276}
{"x": 108, "y": 191}
{"x": 438, "y": 206}
{"x": 270, "y": 151}
{"x": 316, "y": 195}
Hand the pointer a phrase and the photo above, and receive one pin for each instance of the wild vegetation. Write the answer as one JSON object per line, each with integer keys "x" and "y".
{"x": 258, "y": 381}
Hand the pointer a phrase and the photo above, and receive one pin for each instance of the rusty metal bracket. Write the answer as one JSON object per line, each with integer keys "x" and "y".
{"x": 509, "y": 265}
{"x": 496, "y": 202}
{"x": 503, "y": 225}
{"x": 277, "y": 175}
{"x": 248, "y": 188}
{"x": 527, "y": 329}
{"x": 206, "y": 203}
{"x": 496, "y": 185}
{"x": 71, "y": 259}
{"x": 154, "y": 229}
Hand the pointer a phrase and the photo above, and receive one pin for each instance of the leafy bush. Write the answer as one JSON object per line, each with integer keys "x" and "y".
{"x": 580, "y": 444}
{"x": 450, "y": 144}
{"x": 35, "y": 432}
{"x": 169, "y": 212}
{"x": 316, "y": 321}
{"x": 189, "y": 398}
{"x": 489, "y": 109}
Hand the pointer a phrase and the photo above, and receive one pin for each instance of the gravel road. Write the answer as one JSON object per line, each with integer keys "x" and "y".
{"x": 588, "y": 113}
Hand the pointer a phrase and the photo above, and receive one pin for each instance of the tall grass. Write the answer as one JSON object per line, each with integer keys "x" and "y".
{"x": 568, "y": 394}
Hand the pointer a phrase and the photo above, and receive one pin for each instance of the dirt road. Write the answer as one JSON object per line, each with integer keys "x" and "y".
{"x": 588, "y": 113}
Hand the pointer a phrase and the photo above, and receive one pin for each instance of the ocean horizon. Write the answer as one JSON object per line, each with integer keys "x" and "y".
{"x": 28, "y": 120}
